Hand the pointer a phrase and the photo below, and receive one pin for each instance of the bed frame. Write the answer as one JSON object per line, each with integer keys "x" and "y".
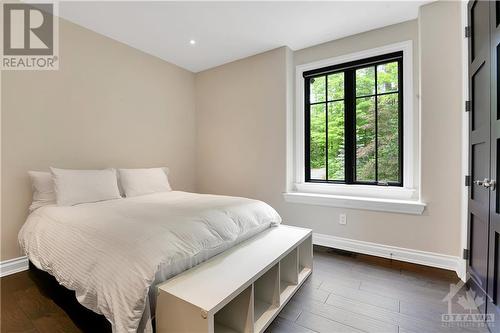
{"x": 240, "y": 290}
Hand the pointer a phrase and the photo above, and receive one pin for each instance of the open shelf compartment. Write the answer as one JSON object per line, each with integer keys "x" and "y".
{"x": 288, "y": 274}
{"x": 305, "y": 250}
{"x": 266, "y": 297}
{"x": 237, "y": 315}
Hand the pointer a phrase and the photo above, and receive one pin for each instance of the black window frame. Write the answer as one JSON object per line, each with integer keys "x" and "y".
{"x": 349, "y": 70}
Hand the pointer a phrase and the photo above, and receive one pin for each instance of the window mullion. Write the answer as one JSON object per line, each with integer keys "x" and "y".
{"x": 326, "y": 127}
{"x": 376, "y": 127}
{"x": 307, "y": 130}
{"x": 400, "y": 118}
{"x": 350, "y": 130}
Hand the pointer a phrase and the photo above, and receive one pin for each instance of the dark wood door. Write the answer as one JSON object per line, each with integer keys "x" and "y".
{"x": 479, "y": 145}
{"x": 493, "y": 300}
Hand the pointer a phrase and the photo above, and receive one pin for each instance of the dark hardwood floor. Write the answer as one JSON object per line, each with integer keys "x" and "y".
{"x": 33, "y": 301}
{"x": 346, "y": 293}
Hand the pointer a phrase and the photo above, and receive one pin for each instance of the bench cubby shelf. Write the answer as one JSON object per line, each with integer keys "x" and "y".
{"x": 241, "y": 290}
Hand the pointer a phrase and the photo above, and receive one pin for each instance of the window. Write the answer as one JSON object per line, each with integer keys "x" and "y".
{"x": 354, "y": 122}
{"x": 372, "y": 131}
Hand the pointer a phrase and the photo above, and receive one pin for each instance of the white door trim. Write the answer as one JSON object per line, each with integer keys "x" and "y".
{"x": 465, "y": 145}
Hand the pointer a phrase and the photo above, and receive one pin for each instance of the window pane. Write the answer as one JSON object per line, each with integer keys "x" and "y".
{"x": 318, "y": 141}
{"x": 387, "y": 77}
{"x": 365, "y": 139}
{"x": 365, "y": 81}
{"x": 335, "y": 86}
{"x": 388, "y": 138}
{"x": 317, "y": 89}
{"x": 336, "y": 140}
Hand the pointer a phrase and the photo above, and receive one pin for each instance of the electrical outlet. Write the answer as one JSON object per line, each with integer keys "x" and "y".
{"x": 343, "y": 219}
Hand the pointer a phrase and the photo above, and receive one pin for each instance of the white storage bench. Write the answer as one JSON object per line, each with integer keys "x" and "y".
{"x": 240, "y": 290}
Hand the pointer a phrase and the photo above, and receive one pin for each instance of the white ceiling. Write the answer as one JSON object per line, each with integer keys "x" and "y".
{"x": 226, "y": 31}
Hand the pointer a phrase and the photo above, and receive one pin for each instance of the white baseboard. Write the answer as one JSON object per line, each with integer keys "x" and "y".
{"x": 11, "y": 266}
{"x": 392, "y": 252}
{"x": 431, "y": 259}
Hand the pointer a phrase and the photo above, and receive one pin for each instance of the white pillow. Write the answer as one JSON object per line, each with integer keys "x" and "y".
{"x": 79, "y": 186}
{"x": 43, "y": 189}
{"x": 120, "y": 185}
{"x": 144, "y": 181}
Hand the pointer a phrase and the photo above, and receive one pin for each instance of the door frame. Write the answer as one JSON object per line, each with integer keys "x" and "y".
{"x": 462, "y": 263}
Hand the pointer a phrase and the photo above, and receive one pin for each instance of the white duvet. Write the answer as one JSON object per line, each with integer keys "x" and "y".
{"x": 110, "y": 253}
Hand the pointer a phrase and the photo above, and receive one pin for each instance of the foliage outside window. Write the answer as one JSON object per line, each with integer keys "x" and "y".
{"x": 354, "y": 122}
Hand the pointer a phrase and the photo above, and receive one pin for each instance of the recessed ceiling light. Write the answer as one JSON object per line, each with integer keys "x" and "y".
{"x": 192, "y": 42}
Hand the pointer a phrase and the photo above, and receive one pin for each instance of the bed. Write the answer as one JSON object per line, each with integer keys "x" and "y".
{"x": 113, "y": 253}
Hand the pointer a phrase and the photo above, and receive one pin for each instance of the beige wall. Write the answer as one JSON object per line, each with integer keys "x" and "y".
{"x": 241, "y": 127}
{"x": 108, "y": 105}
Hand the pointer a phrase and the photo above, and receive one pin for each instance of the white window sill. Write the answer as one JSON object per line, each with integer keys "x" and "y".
{"x": 369, "y": 191}
{"x": 355, "y": 202}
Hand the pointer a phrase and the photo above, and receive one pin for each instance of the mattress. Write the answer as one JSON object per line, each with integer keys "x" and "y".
{"x": 113, "y": 253}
